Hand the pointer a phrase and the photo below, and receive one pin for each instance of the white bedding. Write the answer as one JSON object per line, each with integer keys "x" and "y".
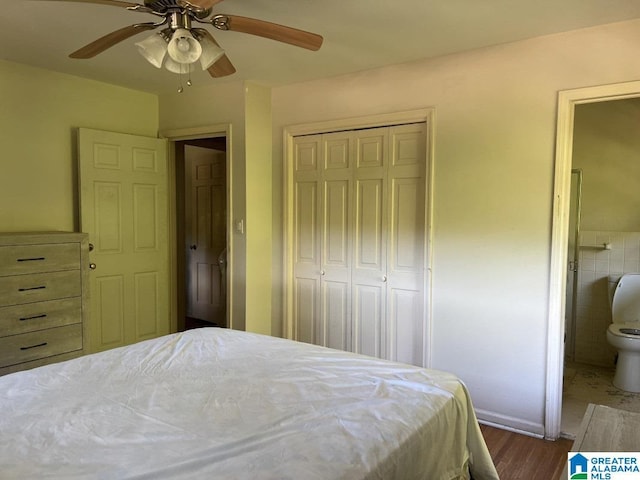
{"x": 220, "y": 404}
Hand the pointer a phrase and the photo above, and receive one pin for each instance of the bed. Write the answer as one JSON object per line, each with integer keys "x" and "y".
{"x": 214, "y": 403}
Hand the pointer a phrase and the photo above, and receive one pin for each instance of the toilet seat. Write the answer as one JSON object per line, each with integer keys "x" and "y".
{"x": 627, "y": 330}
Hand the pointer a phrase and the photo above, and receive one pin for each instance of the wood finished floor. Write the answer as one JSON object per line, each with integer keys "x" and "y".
{"x": 520, "y": 457}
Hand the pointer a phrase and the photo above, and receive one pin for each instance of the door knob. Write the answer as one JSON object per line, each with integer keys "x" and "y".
{"x": 92, "y": 266}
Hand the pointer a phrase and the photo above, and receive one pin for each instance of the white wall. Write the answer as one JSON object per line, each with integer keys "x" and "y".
{"x": 493, "y": 182}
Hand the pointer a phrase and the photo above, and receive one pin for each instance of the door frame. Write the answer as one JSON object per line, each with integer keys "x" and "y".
{"x": 424, "y": 115}
{"x": 176, "y": 281}
{"x": 567, "y": 100}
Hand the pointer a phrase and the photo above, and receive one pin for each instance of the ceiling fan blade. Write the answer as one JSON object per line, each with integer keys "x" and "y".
{"x": 108, "y": 41}
{"x": 261, "y": 28}
{"x": 113, "y": 3}
{"x": 223, "y": 66}
{"x": 204, "y": 4}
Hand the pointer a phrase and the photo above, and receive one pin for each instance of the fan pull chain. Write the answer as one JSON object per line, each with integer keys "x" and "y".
{"x": 189, "y": 82}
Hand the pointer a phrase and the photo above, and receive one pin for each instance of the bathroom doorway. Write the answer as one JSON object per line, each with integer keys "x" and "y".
{"x": 596, "y": 177}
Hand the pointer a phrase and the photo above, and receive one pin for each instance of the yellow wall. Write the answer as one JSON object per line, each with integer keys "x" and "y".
{"x": 39, "y": 111}
{"x": 246, "y": 108}
{"x": 259, "y": 216}
{"x": 495, "y": 126}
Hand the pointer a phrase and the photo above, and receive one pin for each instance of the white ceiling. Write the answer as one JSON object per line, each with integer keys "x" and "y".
{"x": 358, "y": 35}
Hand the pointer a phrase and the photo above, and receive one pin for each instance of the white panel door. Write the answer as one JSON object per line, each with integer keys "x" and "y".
{"x": 123, "y": 208}
{"x": 369, "y": 246}
{"x": 205, "y": 208}
{"x": 335, "y": 301}
{"x": 406, "y": 244}
{"x": 306, "y": 248}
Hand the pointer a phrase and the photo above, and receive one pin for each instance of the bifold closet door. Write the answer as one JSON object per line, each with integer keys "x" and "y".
{"x": 368, "y": 284}
{"x": 306, "y": 239}
{"x": 360, "y": 241}
{"x": 322, "y": 270}
{"x": 335, "y": 240}
{"x": 406, "y": 244}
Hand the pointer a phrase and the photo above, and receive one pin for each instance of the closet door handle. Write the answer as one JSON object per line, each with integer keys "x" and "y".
{"x": 384, "y": 278}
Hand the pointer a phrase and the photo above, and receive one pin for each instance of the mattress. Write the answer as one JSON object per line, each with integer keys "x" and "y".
{"x": 213, "y": 403}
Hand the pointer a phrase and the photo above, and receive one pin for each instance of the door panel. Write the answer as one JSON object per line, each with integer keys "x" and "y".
{"x": 123, "y": 208}
{"x": 369, "y": 225}
{"x": 335, "y": 314}
{"x": 406, "y": 335}
{"x": 369, "y": 306}
{"x": 145, "y": 215}
{"x": 306, "y": 310}
{"x": 107, "y": 218}
{"x": 108, "y": 314}
{"x": 146, "y": 304}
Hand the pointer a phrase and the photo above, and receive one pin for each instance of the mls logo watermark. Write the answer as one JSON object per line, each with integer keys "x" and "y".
{"x": 604, "y": 465}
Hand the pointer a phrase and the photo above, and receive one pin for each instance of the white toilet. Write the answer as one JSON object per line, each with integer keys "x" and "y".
{"x": 624, "y": 331}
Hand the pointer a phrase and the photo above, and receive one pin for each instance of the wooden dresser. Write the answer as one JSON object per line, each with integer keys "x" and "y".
{"x": 43, "y": 298}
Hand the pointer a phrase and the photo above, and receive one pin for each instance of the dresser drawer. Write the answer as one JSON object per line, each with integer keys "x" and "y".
{"x": 30, "y": 317}
{"x": 23, "y": 259}
{"x": 39, "y": 287}
{"x": 45, "y": 343}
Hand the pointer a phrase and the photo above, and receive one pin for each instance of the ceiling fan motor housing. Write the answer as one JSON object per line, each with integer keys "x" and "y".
{"x": 164, "y": 6}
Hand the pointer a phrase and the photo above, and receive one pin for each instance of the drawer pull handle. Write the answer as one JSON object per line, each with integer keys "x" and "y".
{"x": 33, "y": 318}
{"x": 41, "y": 287}
{"x": 34, "y": 259}
{"x": 34, "y": 346}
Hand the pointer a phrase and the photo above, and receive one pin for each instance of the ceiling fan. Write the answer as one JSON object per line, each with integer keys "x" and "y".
{"x": 179, "y": 46}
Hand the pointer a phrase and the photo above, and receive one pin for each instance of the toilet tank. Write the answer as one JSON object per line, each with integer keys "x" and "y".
{"x": 625, "y": 306}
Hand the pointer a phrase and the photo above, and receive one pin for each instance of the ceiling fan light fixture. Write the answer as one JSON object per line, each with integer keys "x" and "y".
{"x": 183, "y": 47}
{"x": 179, "y": 68}
{"x": 153, "y": 49}
{"x": 211, "y": 52}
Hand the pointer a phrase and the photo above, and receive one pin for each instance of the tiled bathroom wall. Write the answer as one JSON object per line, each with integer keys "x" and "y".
{"x": 601, "y": 254}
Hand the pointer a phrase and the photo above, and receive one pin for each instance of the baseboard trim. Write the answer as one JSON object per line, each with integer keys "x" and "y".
{"x": 511, "y": 424}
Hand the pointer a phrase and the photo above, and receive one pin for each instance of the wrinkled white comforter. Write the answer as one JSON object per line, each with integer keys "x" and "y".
{"x": 220, "y": 404}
